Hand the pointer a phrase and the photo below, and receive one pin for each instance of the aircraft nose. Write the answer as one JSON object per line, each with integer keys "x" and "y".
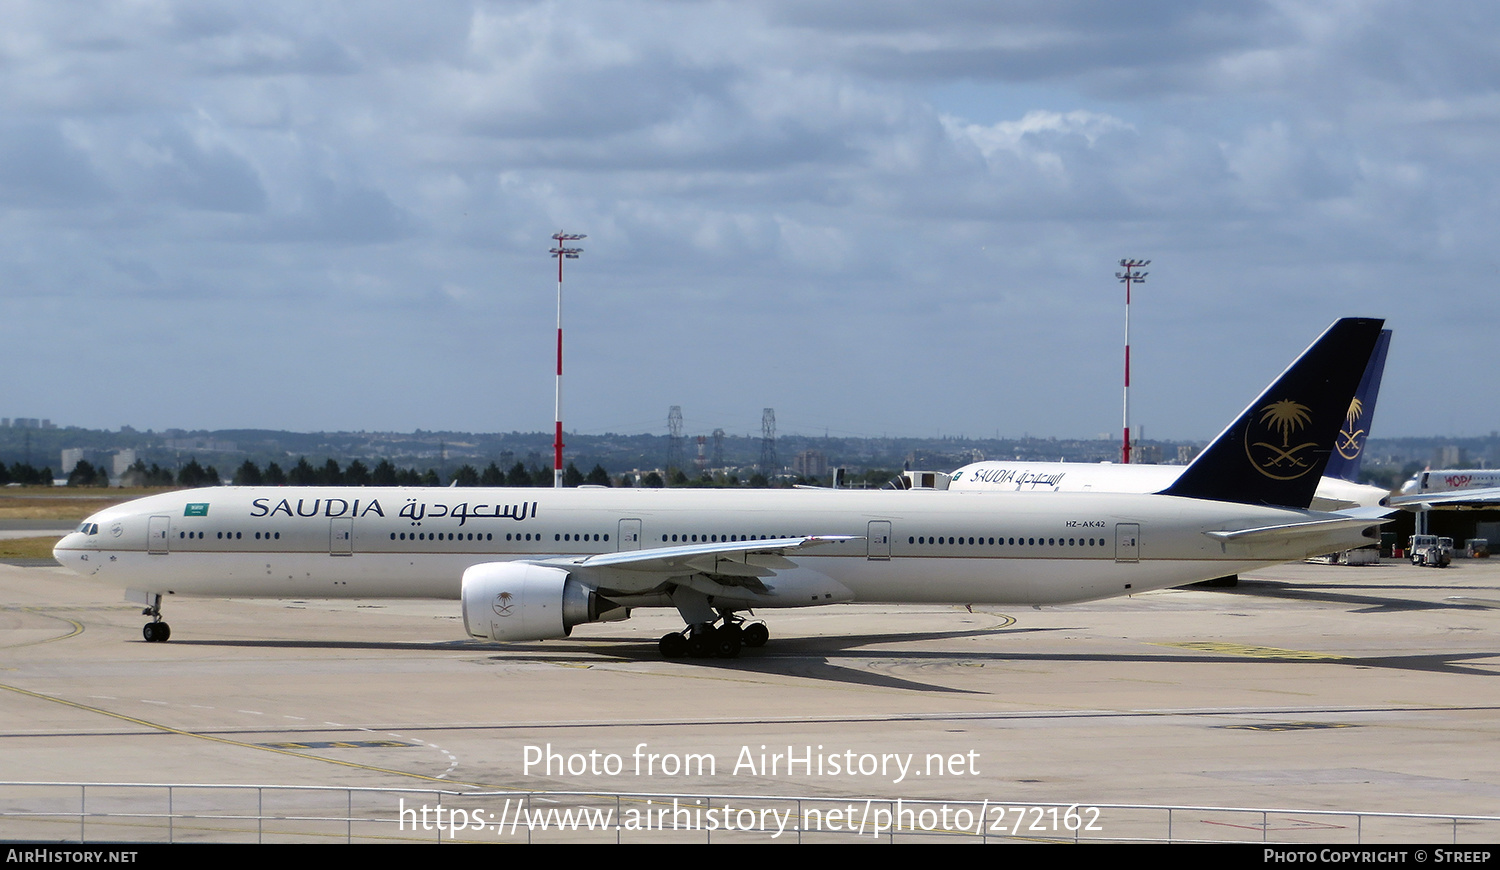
{"x": 69, "y": 546}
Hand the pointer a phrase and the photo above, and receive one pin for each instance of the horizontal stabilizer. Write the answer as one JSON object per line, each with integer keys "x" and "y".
{"x": 1282, "y": 531}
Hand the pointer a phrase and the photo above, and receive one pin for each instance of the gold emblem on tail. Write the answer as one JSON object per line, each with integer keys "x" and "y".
{"x": 1284, "y": 461}
{"x": 1351, "y": 440}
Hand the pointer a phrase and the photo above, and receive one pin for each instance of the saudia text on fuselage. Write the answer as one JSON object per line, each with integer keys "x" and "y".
{"x": 1000, "y": 476}
{"x": 413, "y": 510}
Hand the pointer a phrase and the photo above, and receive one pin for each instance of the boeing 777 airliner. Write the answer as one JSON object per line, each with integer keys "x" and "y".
{"x": 530, "y": 564}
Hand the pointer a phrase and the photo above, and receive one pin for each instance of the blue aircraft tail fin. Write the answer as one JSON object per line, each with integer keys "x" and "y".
{"x": 1350, "y": 449}
{"x": 1275, "y": 452}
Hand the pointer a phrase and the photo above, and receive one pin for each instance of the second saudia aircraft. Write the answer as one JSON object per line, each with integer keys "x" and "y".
{"x": 1338, "y": 489}
{"x": 530, "y": 564}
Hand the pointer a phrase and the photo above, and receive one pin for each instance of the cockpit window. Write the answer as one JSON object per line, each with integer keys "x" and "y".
{"x": 88, "y": 528}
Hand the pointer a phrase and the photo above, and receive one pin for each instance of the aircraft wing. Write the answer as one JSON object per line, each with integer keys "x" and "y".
{"x": 726, "y": 564}
{"x": 1479, "y": 497}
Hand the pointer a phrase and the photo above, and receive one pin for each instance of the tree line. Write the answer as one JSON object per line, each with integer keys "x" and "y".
{"x": 384, "y": 473}
{"x": 25, "y": 474}
{"x": 304, "y": 473}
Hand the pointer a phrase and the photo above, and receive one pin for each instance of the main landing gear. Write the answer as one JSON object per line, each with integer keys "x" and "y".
{"x": 705, "y": 640}
{"x": 155, "y": 631}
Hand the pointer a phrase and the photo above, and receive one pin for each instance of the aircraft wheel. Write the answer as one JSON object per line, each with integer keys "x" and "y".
{"x": 727, "y": 643}
{"x": 701, "y": 645}
{"x": 156, "y": 632}
{"x": 755, "y": 635}
{"x": 673, "y": 645}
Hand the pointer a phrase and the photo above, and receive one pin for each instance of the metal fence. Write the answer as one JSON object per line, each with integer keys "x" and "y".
{"x": 184, "y": 813}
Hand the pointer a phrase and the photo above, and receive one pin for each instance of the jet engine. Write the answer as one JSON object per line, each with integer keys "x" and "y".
{"x": 507, "y": 601}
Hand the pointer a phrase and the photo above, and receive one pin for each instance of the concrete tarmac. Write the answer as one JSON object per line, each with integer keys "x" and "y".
{"x": 1309, "y": 686}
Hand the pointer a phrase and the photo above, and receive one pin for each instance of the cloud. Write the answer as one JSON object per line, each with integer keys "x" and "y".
{"x": 193, "y": 169}
{"x": 927, "y": 200}
{"x": 40, "y": 167}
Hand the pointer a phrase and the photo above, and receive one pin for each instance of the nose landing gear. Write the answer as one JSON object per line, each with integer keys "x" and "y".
{"x": 155, "y": 631}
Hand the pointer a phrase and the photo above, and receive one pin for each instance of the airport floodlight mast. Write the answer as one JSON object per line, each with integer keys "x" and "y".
{"x": 1127, "y": 277}
{"x": 561, "y": 252}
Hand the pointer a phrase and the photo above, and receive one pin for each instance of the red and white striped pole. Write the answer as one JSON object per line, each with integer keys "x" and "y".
{"x": 1130, "y": 274}
{"x": 561, "y": 252}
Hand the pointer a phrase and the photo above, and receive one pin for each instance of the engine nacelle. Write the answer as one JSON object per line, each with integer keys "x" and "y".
{"x": 525, "y": 601}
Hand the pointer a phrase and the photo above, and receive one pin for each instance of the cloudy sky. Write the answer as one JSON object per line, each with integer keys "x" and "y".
{"x": 876, "y": 217}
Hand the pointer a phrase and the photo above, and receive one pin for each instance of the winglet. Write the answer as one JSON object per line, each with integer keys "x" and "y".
{"x": 1276, "y": 450}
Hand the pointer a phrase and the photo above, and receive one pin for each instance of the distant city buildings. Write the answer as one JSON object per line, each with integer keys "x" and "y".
{"x": 1146, "y": 454}
{"x": 811, "y": 463}
{"x": 120, "y": 461}
{"x": 927, "y": 460}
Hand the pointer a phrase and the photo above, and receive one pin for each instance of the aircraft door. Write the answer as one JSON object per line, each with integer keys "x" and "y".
{"x": 341, "y": 536}
{"x": 628, "y": 537}
{"x": 158, "y": 534}
{"x": 1127, "y": 542}
{"x": 879, "y": 540}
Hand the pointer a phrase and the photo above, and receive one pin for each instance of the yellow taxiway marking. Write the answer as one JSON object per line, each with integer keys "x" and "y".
{"x": 77, "y": 627}
{"x": 1260, "y": 652}
{"x": 1289, "y": 726}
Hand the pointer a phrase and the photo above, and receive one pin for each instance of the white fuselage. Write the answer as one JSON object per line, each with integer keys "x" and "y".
{"x": 905, "y": 547}
{"x": 1451, "y": 479}
{"x": 1002, "y": 476}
